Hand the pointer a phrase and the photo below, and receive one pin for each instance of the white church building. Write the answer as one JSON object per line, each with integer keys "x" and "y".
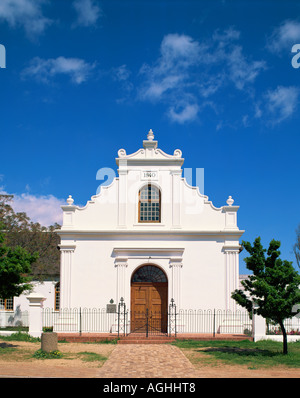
{"x": 149, "y": 237}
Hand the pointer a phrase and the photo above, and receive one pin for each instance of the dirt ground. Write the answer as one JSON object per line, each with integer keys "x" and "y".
{"x": 19, "y": 363}
{"x": 212, "y": 368}
{"x": 25, "y": 350}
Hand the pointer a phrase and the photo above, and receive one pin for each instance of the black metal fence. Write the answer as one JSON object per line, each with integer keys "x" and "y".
{"x": 80, "y": 320}
{"x": 213, "y": 322}
{"x": 292, "y": 327}
{"x": 171, "y": 322}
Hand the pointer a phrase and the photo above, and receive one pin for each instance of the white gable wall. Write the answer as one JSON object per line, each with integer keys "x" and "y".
{"x": 196, "y": 244}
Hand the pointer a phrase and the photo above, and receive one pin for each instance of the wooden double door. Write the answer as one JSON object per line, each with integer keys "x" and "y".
{"x": 149, "y": 304}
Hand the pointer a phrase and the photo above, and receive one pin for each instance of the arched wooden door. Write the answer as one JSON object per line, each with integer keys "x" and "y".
{"x": 149, "y": 300}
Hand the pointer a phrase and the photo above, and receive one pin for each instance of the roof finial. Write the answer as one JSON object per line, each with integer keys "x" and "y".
{"x": 70, "y": 200}
{"x": 150, "y": 135}
{"x": 229, "y": 201}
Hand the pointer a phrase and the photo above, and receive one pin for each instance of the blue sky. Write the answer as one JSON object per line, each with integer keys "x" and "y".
{"x": 84, "y": 78}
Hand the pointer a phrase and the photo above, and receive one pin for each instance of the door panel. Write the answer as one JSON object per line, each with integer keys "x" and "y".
{"x": 149, "y": 300}
{"x": 139, "y": 300}
{"x": 158, "y": 307}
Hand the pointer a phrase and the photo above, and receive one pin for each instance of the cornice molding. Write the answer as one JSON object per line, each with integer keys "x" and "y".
{"x": 127, "y": 252}
{"x": 69, "y": 248}
{"x": 173, "y": 232}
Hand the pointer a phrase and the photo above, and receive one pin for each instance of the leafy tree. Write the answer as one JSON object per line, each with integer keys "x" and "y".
{"x": 273, "y": 286}
{"x": 15, "y": 265}
{"x": 33, "y": 237}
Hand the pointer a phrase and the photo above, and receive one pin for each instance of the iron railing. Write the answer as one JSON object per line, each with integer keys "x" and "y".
{"x": 214, "y": 322}
{"x": 292, "y": 327}
{"x": 171, "y": 322}
{"x": 80, "y": 320}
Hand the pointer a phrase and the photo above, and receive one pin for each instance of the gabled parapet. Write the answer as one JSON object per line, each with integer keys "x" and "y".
{"x": 182, "y": 206}
{"x": 150, "y": 154}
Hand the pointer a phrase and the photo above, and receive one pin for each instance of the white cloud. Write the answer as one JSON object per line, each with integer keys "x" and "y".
{"x": 187, "y": 71}
{"x": 170, "y": 71}
{"x": 88, "y": 12}
{"x": 45, "y": 69}
{"x": 25, "y": 13}
{"x": 121, "y": 73}
{"x": 284, "y": 36}
{"x": 181, "y": 48}
{"x": 242, "y": 71}
{"x": 186, "y": 113}
{"x": 281, "y": 103}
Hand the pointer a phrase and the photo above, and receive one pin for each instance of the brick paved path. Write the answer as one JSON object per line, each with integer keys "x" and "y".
{"x": 151, "y": 361}
{"x": 141, "y": 361}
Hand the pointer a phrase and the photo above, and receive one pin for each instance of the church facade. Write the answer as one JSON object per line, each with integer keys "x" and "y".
{"x": 149, "y": 238}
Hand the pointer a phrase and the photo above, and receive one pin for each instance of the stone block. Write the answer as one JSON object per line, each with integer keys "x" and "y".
{"x": 49, "y": 342}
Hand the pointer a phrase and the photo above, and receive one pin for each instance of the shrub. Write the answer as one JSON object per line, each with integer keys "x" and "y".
{"x": 40, "y": 354}
{"x": 19, "y": 336}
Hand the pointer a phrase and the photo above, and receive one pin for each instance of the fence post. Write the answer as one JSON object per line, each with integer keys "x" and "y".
{"x": 175, "y": 323}
{"x": 80, "y": 325}
{"x": 172, "y": 318}
{"x": 147, "y": 320}
{"x": 121, "y": 305}
{"x": 214, "y": 320}
{"x": 258, "y": 327}
{"x": 35, "y": 314}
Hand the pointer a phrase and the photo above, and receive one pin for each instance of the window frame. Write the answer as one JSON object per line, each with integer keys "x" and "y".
{"x": 149, "y": 201}
{"x": 146, "y": 270}
{"x": 7, "y": 303}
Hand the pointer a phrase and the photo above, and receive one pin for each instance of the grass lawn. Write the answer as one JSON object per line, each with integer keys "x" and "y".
{"x": 21, "y": 347}
{"x": 262, "y": 354}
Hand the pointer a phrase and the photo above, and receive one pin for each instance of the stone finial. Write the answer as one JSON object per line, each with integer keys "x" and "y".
{"x": 229, "y": 201}
{"x": 150, "y": 135}
{"x": 70, "y": 200}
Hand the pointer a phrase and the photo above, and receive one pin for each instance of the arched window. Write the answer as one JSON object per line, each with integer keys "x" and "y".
{"x": 149, "y": 204}
{"x": 149, "y": 273}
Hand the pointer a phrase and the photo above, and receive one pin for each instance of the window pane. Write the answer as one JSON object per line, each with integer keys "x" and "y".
{"x": 149, "y": 273}
{"x": 7, "y": 304}
{"x": 150, "y": 204}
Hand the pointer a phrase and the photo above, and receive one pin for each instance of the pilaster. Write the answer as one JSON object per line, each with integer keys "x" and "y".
{"x": 176, "y": 265}
{"x": 231, "y": 274}
{"x": 121, "y": 263}
{"x": 122, "y": 200}
{"x": 67, "y": 252}
{"x": 176, "y": 202}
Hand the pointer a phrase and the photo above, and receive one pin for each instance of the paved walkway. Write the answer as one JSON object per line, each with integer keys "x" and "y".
{"x": 140, "y": 361}
{"x": 150, "y": 361}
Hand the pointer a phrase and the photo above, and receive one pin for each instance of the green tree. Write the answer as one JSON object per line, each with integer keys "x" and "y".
{"x": 33, "y": 237}
{"x": 273, "y": 286}
{"x": 15, "y": 265}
